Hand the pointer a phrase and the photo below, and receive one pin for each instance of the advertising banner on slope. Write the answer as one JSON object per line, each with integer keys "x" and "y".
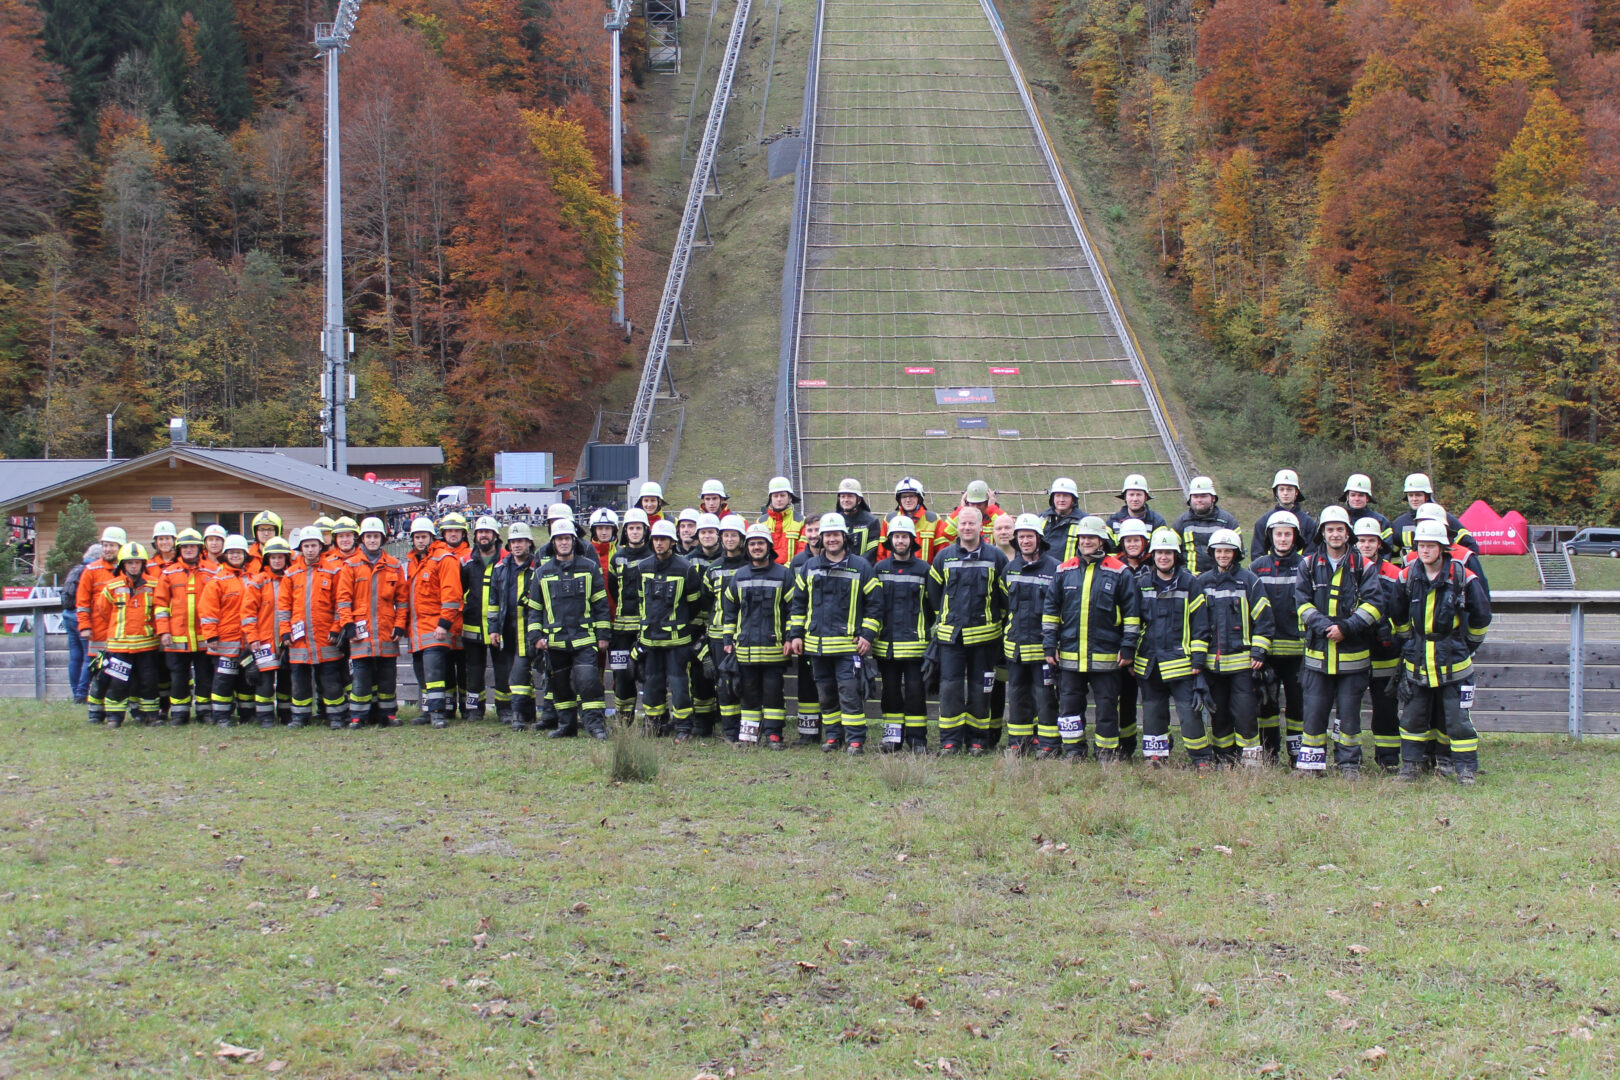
{"x": 1497, "y": 534}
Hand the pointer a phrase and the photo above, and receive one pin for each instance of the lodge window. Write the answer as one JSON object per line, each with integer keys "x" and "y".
{"x": 231, "y": 521}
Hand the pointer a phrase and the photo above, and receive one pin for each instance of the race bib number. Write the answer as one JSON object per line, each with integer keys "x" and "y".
{"x": 298, "y": 630}
{"x": 619, "y": 659}
{"x": 263, "y": 654}
{"x": 989, "y": 681}
{"x": 1312, "y": 757}
{"x": 1074, "y": 727}
{"x": 1336, "y": 728}
{"x": 1465, "y": 696}
{"x": 1156, "y": 746}
{"x": 891, "y": 734}
{"x": 749, "y": 732}
{"x": 809, "y": 725}
{"x": 118, "y": 669}
{"x": 361, "y": 631}
{"x": 1046, "y": 675}
{"x": 1294, "y": 743}
{"x": 228, "y": 665}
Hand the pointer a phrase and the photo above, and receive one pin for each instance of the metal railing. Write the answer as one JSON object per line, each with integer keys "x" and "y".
{"x": 702, "y": 170}
{"x": 1577, "y": 604}
{"x": 38, "y": 606}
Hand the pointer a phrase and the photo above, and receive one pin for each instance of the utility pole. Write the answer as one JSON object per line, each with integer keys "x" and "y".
{"x": 615, "y": 22}
{"x": 336, "y": 341}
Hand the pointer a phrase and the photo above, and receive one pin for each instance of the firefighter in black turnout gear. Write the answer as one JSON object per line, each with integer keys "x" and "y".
{"x": 1199, "y": 523}
{"x": 1091, "y": 623}
{"x": 899, "y": 602}
{"x": 1170, "y": 654}
{"x": 1337, "y": 598}
{"x": 1279, "y": 574}
{"x": 624, "y": 590}
{"x": 1285, "y": 489}
{"x": 1031, "y": 681}
{"x": 672, "y": 605}
{"x": 1240, "y": 632}
{"x": 481, "y": 615}
{"x": 968, "y": 590}
{"x": 571, "y": 631}
{"x": 833, "y": 626}
{"x": 756, "y": 620}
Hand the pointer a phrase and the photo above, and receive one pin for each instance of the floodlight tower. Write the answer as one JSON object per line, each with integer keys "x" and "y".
{"x": 615, "y": 22}
{"x": 336, "y": 342}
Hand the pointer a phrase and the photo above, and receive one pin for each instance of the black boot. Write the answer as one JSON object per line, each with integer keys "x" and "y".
{"x": 567, "y": 724}
{"x": 596, "y": 724}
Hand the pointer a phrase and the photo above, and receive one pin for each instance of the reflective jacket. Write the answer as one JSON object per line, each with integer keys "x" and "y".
{"x": 91, "y": 582}
{"x": 1260, "y": 542}
{"x": 570, "y": 603}
{"x": 1195, "y": 531}
{"x": 179, "y": 602}
{"x": 1153, "y": 518}
{"x": 931, "y": 539}
{"x": 991, "y": 511}
{"x": 433, "y": 595}
{"x": 624, "y": 587}
{"x": 756, "y": 610}
{"x": 898, "y": 598}
{"x": 672, "y": 601}
{"x": 969, "y": 591}
{"x": 1028, "y": 583}
{"x": 129, "y": 614}
{"x": 1240, "y": 619}
{"x": 717, "y": 575}
{"x": 1280, "y": 575}
{"x": 866, "y": 532}
{"x": 509, "y": 585}
{"x": 1404, "y": 526}
{"x": 261, "y": 614}
{"x": 787, "y": 530}
{"x": 1385, "y": 651}
{"x": 1058, "y": 529}
{"x": 1091, "y": 618}
{"x": 831, "y": 607}
{"x": 1347, "y": 597}
{"x": 480, "y": 603}
{"x": 309, "y": 613}
{"x": 1386, "y": 533}
{"x": 371, "y": 598}
{"x": 1441, "y": 621}
{"x": 220, "y": 611}
{"x": 1175, "y": 625}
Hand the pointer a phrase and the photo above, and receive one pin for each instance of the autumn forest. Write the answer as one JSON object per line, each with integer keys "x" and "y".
{"x": 1403, "y": 215}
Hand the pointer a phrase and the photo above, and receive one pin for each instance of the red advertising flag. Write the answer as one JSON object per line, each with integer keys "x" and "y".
{"x": 1003, "y": 371}
{"x": 1496, "y": 534}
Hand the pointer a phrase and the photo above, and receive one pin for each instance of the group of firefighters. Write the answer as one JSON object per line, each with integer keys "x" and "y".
{"x": 701, "y": 614}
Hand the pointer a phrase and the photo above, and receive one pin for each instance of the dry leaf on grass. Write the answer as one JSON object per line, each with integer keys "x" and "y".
{"x": 245, "y": 1055}
{"x": 1222, "y": 849}
{"x": 314, "y": 893}
{"x": 805, "y": 965}
{"x": 480, "y": 940}
{"x": 275, "y": 1066}
{"x": 1339, "y": 997}
{"x": 1359, "y": 950}
{"x": 1374, "y": 1054}
{"x": 917, "y": 1001}
{"x": 974, "y": 1030}
{"x": 1271, "y": 1067}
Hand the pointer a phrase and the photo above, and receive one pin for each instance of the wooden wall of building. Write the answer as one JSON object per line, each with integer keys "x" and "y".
{"x": 194, "y": 491}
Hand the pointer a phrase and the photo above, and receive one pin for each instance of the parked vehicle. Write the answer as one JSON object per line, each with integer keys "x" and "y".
{"x": 1594, "y": 542}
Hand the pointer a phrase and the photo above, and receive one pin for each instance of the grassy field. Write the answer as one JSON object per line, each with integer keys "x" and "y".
{"x": 469, "y": 903}
{"x": 938, "y": 240}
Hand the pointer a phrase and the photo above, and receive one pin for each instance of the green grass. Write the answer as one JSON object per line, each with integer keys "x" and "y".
{"x": 469, "y": 903}
{"x": 1519, "y": 572}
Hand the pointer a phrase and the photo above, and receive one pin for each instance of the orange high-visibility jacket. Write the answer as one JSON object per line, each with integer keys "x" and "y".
{"x": 220, "y": 612}
{"x": 129, "y": 614}
{"x": 179, "y": 605}
{"x": 309, "y": 613}
{"x": 434, "y": 595}
{"x": 261, "y": 608}
{"x": 91, "y": 582}
{"x": 371, "y": 598}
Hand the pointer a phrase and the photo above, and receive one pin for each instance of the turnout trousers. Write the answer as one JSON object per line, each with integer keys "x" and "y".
{"x": 763, "y": 707}
{"x": 191, "y": 679}
{"x": 1332, "y": 694}
{"x": 967, "y": 676}
{"x": 1073, "y": 689}
{"x": 1157, "y": 693}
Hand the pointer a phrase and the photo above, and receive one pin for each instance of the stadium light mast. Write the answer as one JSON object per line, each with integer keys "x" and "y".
{"x": 615, "y": 22}
{"x": 336, "y": 342}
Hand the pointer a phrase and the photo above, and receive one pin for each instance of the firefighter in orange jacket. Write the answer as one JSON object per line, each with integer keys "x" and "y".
{"x": 94, "y": 633}
{"x": 909, "y": 502}
{"x": 261, "y": 625}
{"x": 453, "y": 534}
{"x": 266, "y": 527}
{"x": 434, "y": 598}
{"x": 220, "y": 617}
{"x": 308, "y": 615}
{"x": 372, "y": 616}
{"x": 179, "y": 601}
{"x": 128, "y": 609}
{"x": 781, "y": 515}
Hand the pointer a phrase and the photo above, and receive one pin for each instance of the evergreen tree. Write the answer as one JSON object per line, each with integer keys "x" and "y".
{"x": 75, "y": 531}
